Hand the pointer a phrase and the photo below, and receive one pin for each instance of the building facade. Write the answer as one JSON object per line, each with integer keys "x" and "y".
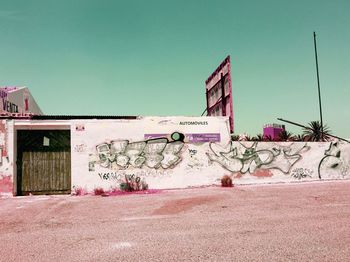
{"x": 273, "y": 131}
{"x": 17, "y": 102}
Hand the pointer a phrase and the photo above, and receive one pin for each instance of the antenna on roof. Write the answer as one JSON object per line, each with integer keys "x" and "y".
{"x": 318, "y": 86}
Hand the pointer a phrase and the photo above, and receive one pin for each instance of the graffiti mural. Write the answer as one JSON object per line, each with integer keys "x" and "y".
{"x": 153, "y": 153}
{"x": 195, "y": 160}
{"x": 6, "y": 179}
{"x": 301, "y": 173}
{"x": 335, "y": 164}
{"x": 109, "y": 153}
{"x": 248, "y": 157}
{"x": 80, "y": 148}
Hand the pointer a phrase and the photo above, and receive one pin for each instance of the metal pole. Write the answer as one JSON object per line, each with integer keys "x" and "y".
{"x": 205, "y": 110}
{"x": 223, "y": 95}
{"x": 307, "y": 127}
{"x": 318, "y": 86}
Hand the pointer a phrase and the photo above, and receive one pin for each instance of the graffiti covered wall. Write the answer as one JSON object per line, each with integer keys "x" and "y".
{"x": 178, "y": 153}
{"x": 269, "y": 162}
{"x": 154, "y": 150}
{"x": 6, "y": 170}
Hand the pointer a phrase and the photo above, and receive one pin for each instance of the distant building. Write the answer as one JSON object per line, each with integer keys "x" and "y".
{"x": 17, "y": 102}
{"x": 219, "y": 92}
{"x": 273, "y": 131}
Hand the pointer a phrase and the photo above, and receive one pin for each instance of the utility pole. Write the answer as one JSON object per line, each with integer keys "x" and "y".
{"x": 318, "y": 86}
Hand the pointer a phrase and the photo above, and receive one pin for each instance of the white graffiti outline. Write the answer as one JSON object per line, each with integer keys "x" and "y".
{"x": 153, "y": 153}
{"x": 242, "y": 158}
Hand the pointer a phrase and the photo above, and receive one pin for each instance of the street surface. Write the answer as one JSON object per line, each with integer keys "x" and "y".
{"x": 287, "y": 222}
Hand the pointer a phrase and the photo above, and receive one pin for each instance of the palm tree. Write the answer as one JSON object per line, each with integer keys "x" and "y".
{"x": 245, "y": 137}
{"x": 299, "y": 137}
{"x": 285, "y": 136}
{"x": 234, "y": 137}
{"x": 258, "y": 137}
{"x": 314, "y": 132}
{"x": 268, "y": 138}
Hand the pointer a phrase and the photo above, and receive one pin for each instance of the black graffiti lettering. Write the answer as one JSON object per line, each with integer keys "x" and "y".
{"x": 115, "y": 176}
{"x": 192, "y": 152}
{"x": 301, "y": 173}
{"x": 334, "y": 164}
{"x": 109, "y": 176}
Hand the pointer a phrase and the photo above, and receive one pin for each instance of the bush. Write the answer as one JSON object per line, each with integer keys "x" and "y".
{"x": 99, "y": 191}
{"x": 125, "y": 187}
{"x": 226, "y": 181}
{"x": 133, "y": 184}
{"x": 79, "y": 191}
{"x": 144, "y": 185}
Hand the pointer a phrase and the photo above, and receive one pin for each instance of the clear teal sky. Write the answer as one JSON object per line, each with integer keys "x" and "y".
{"x": 152, "y": 57}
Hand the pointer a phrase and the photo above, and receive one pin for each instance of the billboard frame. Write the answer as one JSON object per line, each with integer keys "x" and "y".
{"x": 220, "y": 82}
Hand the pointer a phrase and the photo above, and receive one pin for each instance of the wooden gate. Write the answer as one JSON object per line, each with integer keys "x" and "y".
{"x": 44, "y": 162}
{"x": 46, "y": 172}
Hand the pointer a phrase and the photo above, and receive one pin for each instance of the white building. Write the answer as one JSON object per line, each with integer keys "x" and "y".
{"x": 17, "y": 101}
